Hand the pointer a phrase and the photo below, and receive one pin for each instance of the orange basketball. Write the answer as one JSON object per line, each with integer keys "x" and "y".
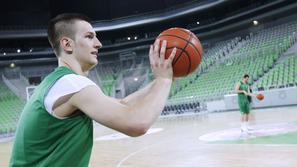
{"x": 188, "y": 50}
{"x": 260, "y": 96}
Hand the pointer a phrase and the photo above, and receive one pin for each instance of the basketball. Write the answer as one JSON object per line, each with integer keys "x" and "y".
{"x": 260, "y": 96}
{"x": 188, "y": 50}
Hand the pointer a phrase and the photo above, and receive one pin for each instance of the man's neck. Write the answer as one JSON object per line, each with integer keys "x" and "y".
{"x": 73, "y": 65}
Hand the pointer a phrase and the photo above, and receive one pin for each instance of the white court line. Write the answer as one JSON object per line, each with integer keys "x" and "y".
{"x": 147, "y": 147}
{"x": 133, "y": 153}
{"x": 118, "y": 136}
{"x": 268, "y": 145}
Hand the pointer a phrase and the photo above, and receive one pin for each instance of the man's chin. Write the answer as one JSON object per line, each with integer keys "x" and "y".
{"x": 93, "y": 64}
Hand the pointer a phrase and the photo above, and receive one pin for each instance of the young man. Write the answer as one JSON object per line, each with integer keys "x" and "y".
{"x": 243, "y": 90}
{"x": 55, "y": 127}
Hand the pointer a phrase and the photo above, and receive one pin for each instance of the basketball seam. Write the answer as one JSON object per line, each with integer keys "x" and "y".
{"x": 178, "y": 29}
{"x": 184, "y": 51}
{"x": 184, "y": 40}
{"x": 190, "y": 62}
{"x": 195, "y": 47}
{"x": 184, "y": 31}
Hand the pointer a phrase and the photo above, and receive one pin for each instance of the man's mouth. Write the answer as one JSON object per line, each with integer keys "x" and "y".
{"x": 94, "y": 53}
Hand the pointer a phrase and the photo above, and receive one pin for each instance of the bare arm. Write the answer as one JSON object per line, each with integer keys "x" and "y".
{"x": 137, "y": 97}
{"x": 134, "y": 97}
{"x": 237, "y": 89}
{"x": 134, "y": 114}
{"x": 249, "y": 92}
{"x": 132, "y": 119}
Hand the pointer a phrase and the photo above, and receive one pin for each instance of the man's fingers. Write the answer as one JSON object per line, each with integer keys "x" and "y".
{"x": 172, "y": 55}
{"x": 151, "y": 54}
{"x": 163, "y": 50}
{"x": 157, "y": 48}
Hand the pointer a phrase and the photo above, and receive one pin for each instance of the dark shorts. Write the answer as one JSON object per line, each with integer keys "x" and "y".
{"x": 244, "y": 108}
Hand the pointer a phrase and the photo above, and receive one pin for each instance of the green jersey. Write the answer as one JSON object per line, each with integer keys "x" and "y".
{"x": 44, "y": 140}
{"x": 243, "y": 102}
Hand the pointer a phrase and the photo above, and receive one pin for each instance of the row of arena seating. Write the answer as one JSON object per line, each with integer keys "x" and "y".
{"x": 210, "y": 57}
{"x": 10, "y": 109}
{"x": 221, "y": 80}
{"x": 258, "y": 56}
{"x": 283, "y": 75}
{"x": 223, "y": 65}
{"x": 265, "y": 39}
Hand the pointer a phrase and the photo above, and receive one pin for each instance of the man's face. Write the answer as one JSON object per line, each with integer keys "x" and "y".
{"x": 86, "y": 45}
{"x": 246, "y": 79}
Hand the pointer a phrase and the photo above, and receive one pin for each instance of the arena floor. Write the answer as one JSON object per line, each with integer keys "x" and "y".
{"x": 206, "y": 140}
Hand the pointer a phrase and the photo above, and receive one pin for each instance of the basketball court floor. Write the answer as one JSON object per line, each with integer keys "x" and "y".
{"x": 205, "y": 140}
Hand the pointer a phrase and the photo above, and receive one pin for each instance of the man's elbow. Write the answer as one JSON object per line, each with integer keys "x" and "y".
{"x": 137, "y": 130}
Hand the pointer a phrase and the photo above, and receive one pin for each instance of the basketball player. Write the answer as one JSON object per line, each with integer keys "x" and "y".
{"x": 243, "y": 90}
{"x": 55, "y": 127}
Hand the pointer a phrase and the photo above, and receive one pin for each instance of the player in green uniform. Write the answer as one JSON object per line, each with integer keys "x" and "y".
{"x": 58, "y": 132}
{"x": 243, "y": 90}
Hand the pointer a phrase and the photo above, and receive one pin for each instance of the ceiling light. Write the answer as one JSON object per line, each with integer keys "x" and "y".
{"x": 12, "y": 65}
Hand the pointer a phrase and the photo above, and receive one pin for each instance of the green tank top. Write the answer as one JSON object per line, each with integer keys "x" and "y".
{"x": 43, "y": 140}
{"x": 242, "y": 98}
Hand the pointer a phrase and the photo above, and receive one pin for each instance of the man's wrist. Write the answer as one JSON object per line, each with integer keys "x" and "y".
{"x": 165, "y": 80}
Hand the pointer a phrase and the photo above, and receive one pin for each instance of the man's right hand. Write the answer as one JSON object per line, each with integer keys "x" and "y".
{"x": 161, "y": 67}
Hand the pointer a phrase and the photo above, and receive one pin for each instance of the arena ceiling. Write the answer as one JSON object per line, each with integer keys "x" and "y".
{"x": 38, "y": 12}
{"x": 23, "y": 22}
{"x": 114, "y": 16}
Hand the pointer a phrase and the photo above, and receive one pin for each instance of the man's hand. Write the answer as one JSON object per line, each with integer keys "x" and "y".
{"x": 161, "y": 67}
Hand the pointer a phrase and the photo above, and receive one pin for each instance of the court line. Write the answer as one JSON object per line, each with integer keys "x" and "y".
{"x": 147, "y": 147}
{"x": 273, "y": 145}
{"x": 133, "y": 153}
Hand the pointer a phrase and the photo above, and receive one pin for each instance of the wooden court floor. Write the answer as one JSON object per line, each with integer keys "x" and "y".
{"x": 177, "y": 144}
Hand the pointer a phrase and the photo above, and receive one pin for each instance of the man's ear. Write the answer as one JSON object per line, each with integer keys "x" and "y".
{"x": 66, "y": 44}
